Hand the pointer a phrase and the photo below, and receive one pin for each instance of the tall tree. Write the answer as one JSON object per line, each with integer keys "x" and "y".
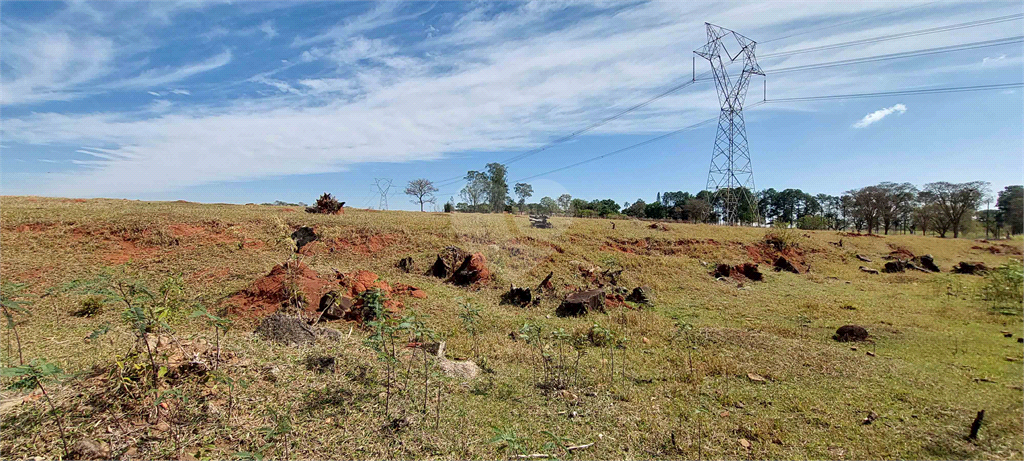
{"x": 478, "y": 186}
{"x": 635, "y": 210}
{"x": 524, "y": 191}
{"x": 422, "y": 190}
{"x": 497, "y": 174}
{"x": 548, "y": 205}
{"x": 956, "y": 203}
{"x": 1011, "y": 208}
{"x": 894, "y": 200}
{"x": 565, "y": 203}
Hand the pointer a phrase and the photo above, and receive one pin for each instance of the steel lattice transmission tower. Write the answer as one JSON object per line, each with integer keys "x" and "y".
{"x": 730, "y": 162}
{"x": 383, "y": 186}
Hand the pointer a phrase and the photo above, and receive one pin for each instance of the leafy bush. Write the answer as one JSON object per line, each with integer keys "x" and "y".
{"x": 810, "y": 222}
{"x": 90, "y": 307}
{"x": 1004, "y": 287}
{"x": 782, "y": 238}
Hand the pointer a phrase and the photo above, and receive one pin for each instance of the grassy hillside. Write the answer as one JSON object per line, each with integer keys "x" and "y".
{"x": 714, "y": 369}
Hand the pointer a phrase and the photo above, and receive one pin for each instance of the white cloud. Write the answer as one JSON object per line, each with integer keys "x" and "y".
{"x": 154, "y": 93}
{"x": 988, "y": 60}
{"x": 157, "y": 77}
{"x": 268, "y": 29}
{"x": 878, "y": 115}
{"x": 490, "y": 81}
{"x": 182, "y": 92}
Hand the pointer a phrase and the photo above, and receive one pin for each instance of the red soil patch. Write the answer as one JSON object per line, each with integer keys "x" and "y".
{"x": 128, "y": 251}
{"x": 266, "y": 295}
{"x": 900, "y": 253}
{"x": 288, "y": 210}
{"x": 614, "y": 300}
{"x": 364, "y": 245}
{"x": 35, "y": 227}
{"x": 357, "y": 282}
{"x": 1002, "y": 248}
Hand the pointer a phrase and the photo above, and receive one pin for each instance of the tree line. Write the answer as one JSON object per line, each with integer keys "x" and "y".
{"x": 941, "y": 208}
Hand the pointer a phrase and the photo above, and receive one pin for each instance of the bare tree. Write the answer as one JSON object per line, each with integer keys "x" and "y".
{"x": 422, "y": 191}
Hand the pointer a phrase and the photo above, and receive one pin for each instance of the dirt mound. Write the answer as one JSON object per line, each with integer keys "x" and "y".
{"x": 473, "y": 270}
{"x": 289, "y": 283}
{"x": 348, "y": 303}
{"x": 766, "y": 252}
{"x": 847, "y": 333}
{"x": 783, "y": 264}
{"x": 900, "y": 253}
{"x": 1001, "y": 249}
{"x": 652, "y": 246}
{"x": 447, "y": 261}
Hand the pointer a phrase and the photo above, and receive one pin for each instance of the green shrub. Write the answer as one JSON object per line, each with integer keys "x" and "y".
{"x": 782, "y": 238}
{"x": 1004, "y": 287}
{"x": 90, "y": 307}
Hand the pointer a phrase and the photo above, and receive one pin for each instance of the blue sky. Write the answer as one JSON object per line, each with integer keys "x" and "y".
{"x": 261, "y": 101}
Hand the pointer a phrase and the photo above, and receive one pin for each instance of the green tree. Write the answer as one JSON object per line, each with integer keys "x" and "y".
{"x": 548, "y": 205}
{"x": 655, "y": 210}
{"x": 497, "y": 174}
{"x": 523, "y": 191}
{"x": 956, "y": 203}
{"x": 477, "y": 189}
{"x": 565, "y": 203}
{"x": 1011, "y": 208}
{"x": 635, "y": 210}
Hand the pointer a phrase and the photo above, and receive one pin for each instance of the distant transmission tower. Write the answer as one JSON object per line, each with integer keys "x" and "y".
{"x": 730, "y": 162}
{"x": 383, "y": 185}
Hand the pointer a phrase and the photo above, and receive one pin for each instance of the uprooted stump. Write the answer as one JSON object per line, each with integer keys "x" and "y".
{"x": 783, "y": 264}
{"x": 641, "y": 295}
{"x": 970, "y": 268}
{"x": 447, "y": 261}
{"x": 722, "y": 270}
{"x": 868, "y": 270}
{"x": 335, "y": 306}
{"x": 581, "y": 303}
{"x": 303, "y": 236}
{"x": 472, "y": 270}
{"x": 863, "y": 258}
{"x": 519, "y": 296}
{"x": 927, "y": 262}
{"x": 750, "y": 271}
{"x": 849, "y": 333}
{"x": 405, "y": 264}
{"x": 540, "y": 221}
{"x": 893, "y": 267}
{"x": 546, "y": 285}
{"x": 286, "y": 329}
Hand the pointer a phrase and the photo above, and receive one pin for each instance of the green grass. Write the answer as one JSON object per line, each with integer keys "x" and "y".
{"x": 939, "y": 352}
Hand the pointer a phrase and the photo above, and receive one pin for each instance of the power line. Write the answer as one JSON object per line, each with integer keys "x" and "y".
{"x": 702, "y": 77}
{"x": 700, "y": 124}
{"x": 902, "y": 10}
{"x": 914, "y": 33}
{"x": 900, "y": 55}
{"x": 916, "y": 91}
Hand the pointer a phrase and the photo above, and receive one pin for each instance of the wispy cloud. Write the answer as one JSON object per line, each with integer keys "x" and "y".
{"x": 879, "y": 114}
{"x": 158, "y": 77}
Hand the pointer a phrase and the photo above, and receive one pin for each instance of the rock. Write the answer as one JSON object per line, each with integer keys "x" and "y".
{"x": 642, "y": 295}
{"x": 472, "y": 270}
{"x": 576, "y": 304}
{"x": 848, "y": 333}
{"x": 750, "y": 271}
{"x": 783, "y": 264}
{"x": 722, "y": 271}
{"x": 303, "y": 236}
{"x": 518, "y": 296}
{"x": 975, "y": 268}
{"x": 461, "y": 369}
{"x": 89, "y": 449}
{"x": 755, "y": 377}
{"x": 328, "y": 333}
{"x": 405, "y": 264}
{"x": 868, "y": 270}
{"x": 927, "y": 262}
{"x": 893, "y": 267}
{"x": 744, "y": 443}
{"x": 334, "y": 306}
{"x": 285, "y": 329}
{"x": 863, "y": 258}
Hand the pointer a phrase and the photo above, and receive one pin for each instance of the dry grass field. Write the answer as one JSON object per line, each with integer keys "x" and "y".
{"x": 712, "y": 369}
